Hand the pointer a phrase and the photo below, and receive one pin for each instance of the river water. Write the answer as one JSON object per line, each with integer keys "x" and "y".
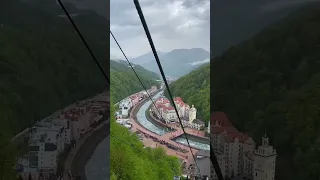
{"x": 97, "y": 167}
{"x": 141, "y": 117}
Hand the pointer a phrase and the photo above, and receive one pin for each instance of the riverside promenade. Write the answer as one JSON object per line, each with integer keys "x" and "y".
{"x": 154, "y": 140}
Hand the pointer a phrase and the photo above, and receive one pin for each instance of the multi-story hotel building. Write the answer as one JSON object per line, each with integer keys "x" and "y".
{"x": 236, "y": 153}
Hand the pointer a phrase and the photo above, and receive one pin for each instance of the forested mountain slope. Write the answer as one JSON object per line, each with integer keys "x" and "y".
{"x": 125, "y": 67}
{"x": 194, "y": 88}
{"x": 135, "y": 162}
{"x": 271, "y": 82}
{"x": 124, "y": 82}
{"x": 43, "y": 71}
{"x": 44, "y": 66}
{"x": 129, "y": 160}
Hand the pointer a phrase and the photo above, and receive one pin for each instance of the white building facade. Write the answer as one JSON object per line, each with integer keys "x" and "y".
{"x": 192, "y": 114}
{"x": 237, "y": 151}
{"x": 264, "y": 161}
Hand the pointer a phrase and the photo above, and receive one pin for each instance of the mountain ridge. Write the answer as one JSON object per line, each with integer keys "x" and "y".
{"x": 194, "y": 88}
{"x": 177, "y": 62}
{"x": 124, "y": 82}
{"x": 271, "y": 81}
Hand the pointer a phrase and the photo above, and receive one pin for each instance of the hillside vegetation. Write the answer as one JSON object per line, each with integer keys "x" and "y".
{"x": 194, "y": 88}
{"x": 123, "y": 66}
{"x": 271, "y": 82}
{"x": 126, "y": 162}
{"x": 42, "y": 69}
{"x": 130, "y": 161}
{"x": 124, "y": 82}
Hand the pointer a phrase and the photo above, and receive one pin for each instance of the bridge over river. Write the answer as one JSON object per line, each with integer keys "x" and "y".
{"x": 146, "y": 126}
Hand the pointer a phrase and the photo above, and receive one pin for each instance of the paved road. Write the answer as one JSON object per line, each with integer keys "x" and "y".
{"x": 74, "y": 150}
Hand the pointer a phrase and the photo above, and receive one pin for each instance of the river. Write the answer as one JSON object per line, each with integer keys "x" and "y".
{"x": 98, "y": 168}
{"x": 141, "y": 117}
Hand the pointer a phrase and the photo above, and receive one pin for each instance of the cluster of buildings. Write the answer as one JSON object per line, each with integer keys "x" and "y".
{"x": 127, "y": 103}
{"x": 125, "y": 122}
{"x": 237, "y": 154}
{"x": 59, "y": 132}
{"x": 164, "y": 111}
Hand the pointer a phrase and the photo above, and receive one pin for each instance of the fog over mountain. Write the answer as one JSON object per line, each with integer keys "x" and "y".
{"x": 175, "y": 63}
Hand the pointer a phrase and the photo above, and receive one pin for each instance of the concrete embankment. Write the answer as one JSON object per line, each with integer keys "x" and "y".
{"x": 136, "y": 108}
{"x": 87, "y": 149}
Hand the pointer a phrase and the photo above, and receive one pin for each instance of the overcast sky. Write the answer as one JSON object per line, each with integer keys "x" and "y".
{"x": 173, "y": 24}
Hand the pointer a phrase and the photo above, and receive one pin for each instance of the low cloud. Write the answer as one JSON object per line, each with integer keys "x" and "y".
{"x": 173, "y": 25}
{"x": 199, "y": 62}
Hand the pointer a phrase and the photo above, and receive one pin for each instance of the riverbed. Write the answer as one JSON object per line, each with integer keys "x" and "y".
{"x": 143, "y": 120}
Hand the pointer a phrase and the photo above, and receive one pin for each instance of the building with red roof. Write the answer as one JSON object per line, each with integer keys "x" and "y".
{"x": 134, "y": 99}
{"x": 229, "y": 143}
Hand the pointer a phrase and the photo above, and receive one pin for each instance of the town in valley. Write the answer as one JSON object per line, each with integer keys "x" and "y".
{"x": 157, "y": 125}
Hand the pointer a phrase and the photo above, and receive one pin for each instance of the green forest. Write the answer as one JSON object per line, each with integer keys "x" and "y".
{"x": 126, "y": 162}
{"x": 271, "y": 82}
{"x": 124, "y": 66}
{"x": 124, "y": 82}
{"x": 130, "y": 161}
{"x": 194, "y": 88}
{"x": 44, "y": 67}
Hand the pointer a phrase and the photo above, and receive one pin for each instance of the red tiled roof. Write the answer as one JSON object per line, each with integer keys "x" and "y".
{"x": 221, "y": 118}
{"x": 243, "y": 137}
{"x": 166, "y": 101}
{"x": 178, "y": 100}
{"x": 168, "y": 108}
{"x": 231, "y": 130}
{"x": 161, "y": 106}
{"x": 216, "y": 130}
{"x": 226, "y": 126}
{"x": 231, "y": 137}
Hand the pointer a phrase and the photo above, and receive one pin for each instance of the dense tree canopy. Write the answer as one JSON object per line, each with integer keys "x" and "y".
{"x": 123, "y": 66}
{"x": 44, "y": 67}
{"x": 194, "y": 88}
{"x": 130, "y": 161}
{"x": 271, "y": 82}
{"x": 124, "y": 82}
{"x": 138, "y": 163}
{"x": 127, "y": 162}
